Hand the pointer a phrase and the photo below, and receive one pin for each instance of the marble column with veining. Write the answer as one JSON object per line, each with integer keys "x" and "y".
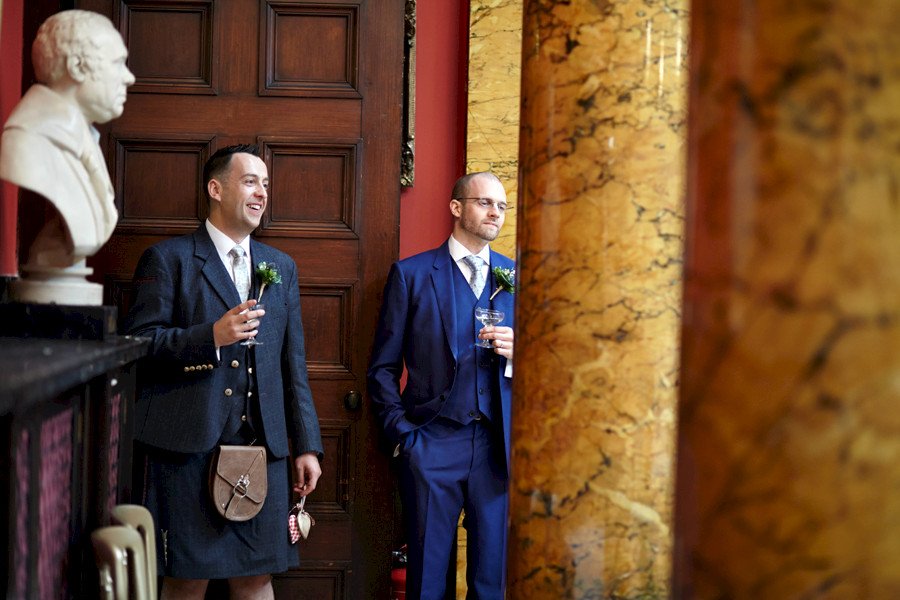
{"x": 789, "y": 438}
{"x": 600, "y": 238}
{"x": 492, "y": 115}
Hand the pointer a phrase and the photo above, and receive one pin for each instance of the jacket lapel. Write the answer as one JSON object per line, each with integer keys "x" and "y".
{"x": 259, "y": 253}
{"x": 442, "y": 279}
{"x": 213, "y": 269}
{"x": 270, "y": 328}
{"x": 503, "y": 301}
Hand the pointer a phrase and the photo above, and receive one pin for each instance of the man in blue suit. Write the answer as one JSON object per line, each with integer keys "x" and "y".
{"x": 194, "y": 298}
{"x": 451, "y": 422}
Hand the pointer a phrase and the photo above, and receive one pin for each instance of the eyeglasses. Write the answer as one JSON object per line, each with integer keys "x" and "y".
{"x": 487, "y": 203}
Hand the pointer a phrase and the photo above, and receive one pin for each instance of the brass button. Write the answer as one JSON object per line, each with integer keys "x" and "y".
{"x": 192, "y": 368}
{"x": 186, "y": 369}
{"x": 250, "y": 370}
{"x": 235, "y": 363}
{"x": 243, "y": 417}
{"x": 249, "y": 394}
{"x": 228, "y": 392}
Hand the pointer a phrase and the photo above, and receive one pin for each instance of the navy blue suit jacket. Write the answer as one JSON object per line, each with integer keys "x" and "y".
{"x": 181, "y": 288}
{"x": 417, "y": 327}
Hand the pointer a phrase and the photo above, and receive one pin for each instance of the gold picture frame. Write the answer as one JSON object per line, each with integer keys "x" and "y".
{"x": 408, "y": 149}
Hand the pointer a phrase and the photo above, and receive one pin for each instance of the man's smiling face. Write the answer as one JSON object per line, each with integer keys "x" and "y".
{"x": 240, "y": 196}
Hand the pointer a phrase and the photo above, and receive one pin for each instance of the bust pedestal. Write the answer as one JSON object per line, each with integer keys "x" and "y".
{"x": 57, "y": 285}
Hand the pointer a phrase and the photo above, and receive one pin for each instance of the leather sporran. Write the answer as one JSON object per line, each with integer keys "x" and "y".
{"x": 238, "y": 481}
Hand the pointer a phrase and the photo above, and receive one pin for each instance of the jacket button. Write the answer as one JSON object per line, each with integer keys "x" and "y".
{"x": 235, "y": 364}
{"x": 249, "y": 394}
{"x": 250, "y": 370}
{"x": 243, "y": 417}
{"x": 186, "y": 369}
{"x": 228, "y": 391}
{"x": 471, "y": 413}
{"x": 193, "y": 368}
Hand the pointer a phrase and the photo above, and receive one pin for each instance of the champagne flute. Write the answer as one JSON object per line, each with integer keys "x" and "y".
{"x": 488, "y": 318}
{"x": 252, "y": 341}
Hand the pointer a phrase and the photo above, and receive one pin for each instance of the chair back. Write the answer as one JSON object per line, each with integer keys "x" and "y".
{"x": 139, "y": 518}
{"x": 119, "y": 551}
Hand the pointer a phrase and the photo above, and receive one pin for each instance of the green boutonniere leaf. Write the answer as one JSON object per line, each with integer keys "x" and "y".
{"x": 506, "y": 280}
{"x": 268, "y": 275}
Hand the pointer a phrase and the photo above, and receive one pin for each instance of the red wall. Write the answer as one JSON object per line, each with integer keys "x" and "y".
{"x": 10, "y": 92}
{"x": 441, "y": 64}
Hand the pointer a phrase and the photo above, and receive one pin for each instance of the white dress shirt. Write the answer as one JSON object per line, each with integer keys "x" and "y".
{"x": 458, "y": 252}
{"x": 224, "y": 245}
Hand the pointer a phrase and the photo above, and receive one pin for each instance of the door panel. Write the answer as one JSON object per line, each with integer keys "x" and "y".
{"x": 309, "y": 50}
{"x": 318, "y": 86}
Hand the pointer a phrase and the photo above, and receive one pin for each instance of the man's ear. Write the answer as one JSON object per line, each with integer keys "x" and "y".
{"x": 214, "y": 189}
{"x": 76, "y": 67}
{"x": 456, "y": 208}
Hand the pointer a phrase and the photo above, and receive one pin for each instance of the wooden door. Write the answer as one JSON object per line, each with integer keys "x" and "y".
{"x": 318, "y": 85}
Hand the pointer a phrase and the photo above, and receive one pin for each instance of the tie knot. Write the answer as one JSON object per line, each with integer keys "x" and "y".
{"x": 474, "y": 262}
{"x": 237, "y": 252}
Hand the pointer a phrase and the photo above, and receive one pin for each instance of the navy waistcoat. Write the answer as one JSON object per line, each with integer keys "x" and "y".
{"x": 244, "y": 401}
{"x": 473, "y": 387}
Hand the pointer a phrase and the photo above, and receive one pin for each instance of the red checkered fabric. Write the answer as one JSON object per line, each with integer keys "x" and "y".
{"x": 293, "y": 528}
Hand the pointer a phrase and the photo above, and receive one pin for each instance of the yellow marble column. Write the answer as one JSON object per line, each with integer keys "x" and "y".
{"x": 600, "y": 233}
{"x": 789, "y": 438}
{"x": 492, "y": 115}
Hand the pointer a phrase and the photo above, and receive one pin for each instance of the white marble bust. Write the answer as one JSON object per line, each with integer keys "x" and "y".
{"x": 49, "y": 143}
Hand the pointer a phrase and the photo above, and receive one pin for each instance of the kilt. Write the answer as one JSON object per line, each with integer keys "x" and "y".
{"x": 193, "y": 541}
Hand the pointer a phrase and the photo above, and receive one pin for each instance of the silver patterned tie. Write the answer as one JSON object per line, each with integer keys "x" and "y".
{"x": 241, "y": 275}
{"x": 476, "y": 279}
